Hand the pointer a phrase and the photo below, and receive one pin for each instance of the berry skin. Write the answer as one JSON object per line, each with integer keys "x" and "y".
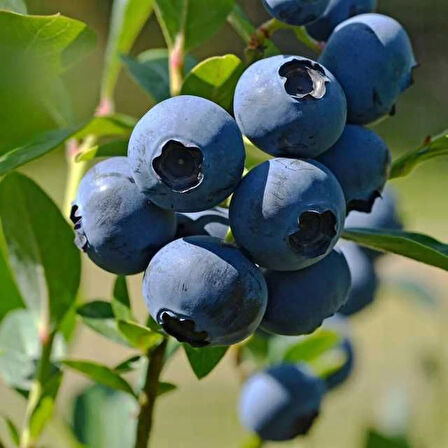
{"x": 384, "y": 216}
{"x": 364, "y": 279}
{"x": 290, "y": 106}
{"x": 360, "y": 160}
{"x": 178, "y": 150}
{"x": 336, "y": 12}
{"x": 204, "y": 292}
{"x": 288, "y": 214}
{"x": 300, "y": 301}
{"x": 371, "y": 56}
{"x": 116, "y": 224}
{"x": 281, "y": 403}
{"x": 213, "y": 222}
{"x": 296, "y": 12}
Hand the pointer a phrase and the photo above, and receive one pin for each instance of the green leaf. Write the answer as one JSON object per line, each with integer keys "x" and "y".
{"x": 139, "y": 336}
{"x": 375, "y": 439}
{"x": 215, "y": 79}
{"x": 100, "y": 374}
{"x": 171, "y": 348}
{"x": 253, "y": 441}
{"x": 34, "y": 53}
{"x": 45, "y": 262}
{"x": 35, "y": 148}
{"x": 151, "y": 72}
{"x": 99, "y": 316}
{"x": 154, "y": 326}
{"x": 411, "y": 245}
{"x": 245, "y": 28}
{"x": 130, "y": 364}
{"x": 204, "y": 360}
{"x": 103, "y": 417}
{"x": 110, "y": 149}
{"x": 312, "y": 346}
{"x": 329, "y": 362}
{"x": 20, "y": 349}
{"x": 127, "y": 20}
{"x": 117, "y": 125}
{"x": 12, "y": 430}
{"x": 44, "y": 408}
{"x": 10, "y": 298}
{"x": 121, "y": 304}
{"x": 188, "y": 18}
{"x": 18, "y": 6}
{"x": 254, "y": 156}
{"x": 165, "y": 388}
{"x": 431, "y": 148}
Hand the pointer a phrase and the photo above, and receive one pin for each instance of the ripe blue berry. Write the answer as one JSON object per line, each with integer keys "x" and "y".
{"x": 371, "y": 56}
{"x": 360, "y": 160}
{"x": 336, "y": 12}
{"x": 296, "y": 12}
{"x": 384, "y": 216}
{"x": 364, "y": 279}
{"x": 204, "y": 292}
{"x": 178, "y": 150}
{"x": 213, "y": 222}
{"x": 281, "y": 402}
{"x": 116, "y": 224}
{"x": 288, "y": 214}
{"x": 290, "y": 106}
{"x": 299, "y": 301}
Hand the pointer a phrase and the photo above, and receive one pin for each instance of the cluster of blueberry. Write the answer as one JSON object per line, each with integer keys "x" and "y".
{"x": 157, "y": 210}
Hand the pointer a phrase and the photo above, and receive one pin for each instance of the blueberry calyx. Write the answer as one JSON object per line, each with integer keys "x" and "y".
{"x": 182, "y": 329}
{"x": 363, "y": 205}
{"x": 316, "y": 231}
{"x": 179, "y": 166}
{"x": 304, "y": 78}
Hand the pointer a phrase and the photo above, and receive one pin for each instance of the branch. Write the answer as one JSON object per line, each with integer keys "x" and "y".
{"x": 148, "y": 395}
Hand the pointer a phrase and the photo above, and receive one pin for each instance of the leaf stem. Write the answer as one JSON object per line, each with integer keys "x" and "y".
{"x": 148, "y": 395}
{"x": 177, "y": 57}
{"x": 27, "y": 439}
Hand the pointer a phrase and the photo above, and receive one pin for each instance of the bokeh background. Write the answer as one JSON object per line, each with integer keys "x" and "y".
{"x": 401, "y": 378}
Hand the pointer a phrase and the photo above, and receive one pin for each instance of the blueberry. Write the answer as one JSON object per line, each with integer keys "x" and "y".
{"x": 384, "y": 216}
{"x": 364, "y": 279}
{"x": 288, "y": 214}
{"x": 299, "y": 301}
{"x": 296, "y": 12}
{"x": 371, "y": 56}
{"x": 290, "y": 106}
{"x": 360, "y": 160}
{"x": 187, "y": 154}
{"x": 336, "y": 12}
{"x": 213, "y": 222}
{"x": 205, "y": 292}
{"x": 116, "y": 224}
{"x": 282, "y": 402}
{"x": 340, "y": 325}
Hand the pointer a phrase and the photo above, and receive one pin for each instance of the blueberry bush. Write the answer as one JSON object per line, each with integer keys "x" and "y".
{"x": 252, "y": 196}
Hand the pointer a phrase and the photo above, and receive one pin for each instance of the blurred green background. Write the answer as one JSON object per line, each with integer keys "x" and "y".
{"x": 401, "y": 378}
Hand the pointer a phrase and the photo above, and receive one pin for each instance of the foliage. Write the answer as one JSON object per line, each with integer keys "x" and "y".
{"x": 40, "y": 267}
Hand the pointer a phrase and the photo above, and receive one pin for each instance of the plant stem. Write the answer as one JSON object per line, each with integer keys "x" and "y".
{"x": 148, "y": 395}
{"x": 43, "y": 368}
{"x": 302, "y": 35}
{"x": 177, "y": 65}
